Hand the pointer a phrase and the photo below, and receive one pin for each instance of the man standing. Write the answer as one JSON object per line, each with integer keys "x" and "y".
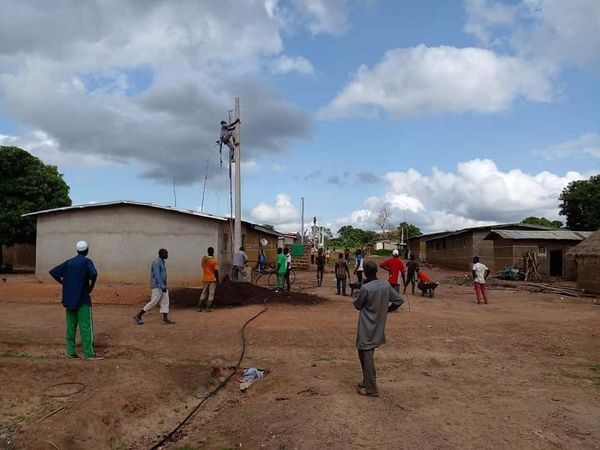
{"x": 375, "y": 299}
{"x": 358, "y": 271}
{"x": 412, "y": 268}
{"x": 341, "y": 273}
{"x": 480, "y": 274}
{"x": 160, "y": 293}
{"x": 210, "y": 279}
{"x": 281, "y": 269}
{"x": 288, "y": 267}
{"x": 78, "y": 278}
{"x": 239, "y": 262}
{"x": 320, "y": 267}
{"x": 395, "y": 267}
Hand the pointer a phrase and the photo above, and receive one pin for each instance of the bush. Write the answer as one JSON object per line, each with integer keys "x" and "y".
{"x": 382, "y": 252}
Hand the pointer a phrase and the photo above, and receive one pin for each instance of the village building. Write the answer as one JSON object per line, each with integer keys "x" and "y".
{"x": 417, "y": 244}
{"x": 587, "y": 260}
{"x": 550, "y": 247}
{"x": 125, "y": 236}
{"x": 386, "y": 244}
{"x": 457, "y": 249}
{"x": 17, "y": 258}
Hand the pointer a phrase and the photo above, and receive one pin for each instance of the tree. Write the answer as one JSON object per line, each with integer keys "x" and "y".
{"x": 350, "y": 237}
{"x": 543, "y": 221}
{"x": 580, "y": 203}
{"x": 268, "y": 226}
{"x": 27, "y": 185}
{"x": 382, "y": 219}
{"x": 410, "y": 230}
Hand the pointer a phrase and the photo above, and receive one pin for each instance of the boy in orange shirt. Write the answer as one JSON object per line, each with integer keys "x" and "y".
{"x": 210, "y": 279}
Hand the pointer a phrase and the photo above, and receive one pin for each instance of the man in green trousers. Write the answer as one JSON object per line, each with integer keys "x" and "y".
{"x": 78, "y": 278}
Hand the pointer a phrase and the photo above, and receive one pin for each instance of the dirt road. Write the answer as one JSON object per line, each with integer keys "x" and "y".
{"x": 522, "y": 372}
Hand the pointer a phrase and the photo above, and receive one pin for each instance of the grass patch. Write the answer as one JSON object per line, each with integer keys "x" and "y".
{"x": 595, "y": 379}
{"x": 20, "y": 355}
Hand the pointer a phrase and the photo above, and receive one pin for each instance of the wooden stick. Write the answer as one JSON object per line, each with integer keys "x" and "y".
{"x": 52, "y": 413}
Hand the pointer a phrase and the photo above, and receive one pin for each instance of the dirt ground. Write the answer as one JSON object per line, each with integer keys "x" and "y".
{"x": 521, "y": 372}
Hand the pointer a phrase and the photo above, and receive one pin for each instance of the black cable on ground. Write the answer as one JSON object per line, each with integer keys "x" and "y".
{"x": 213, "y": 391}
{"x": 80, "y": 387}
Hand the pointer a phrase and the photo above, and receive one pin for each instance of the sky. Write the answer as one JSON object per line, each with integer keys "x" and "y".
{"x": 449, "y": 114}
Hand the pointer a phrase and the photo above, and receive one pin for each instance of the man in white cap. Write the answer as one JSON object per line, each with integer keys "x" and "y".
{"x": 78, "y": 278}
{"x": 160, "y": 293}
{"x": 395, "y": 267}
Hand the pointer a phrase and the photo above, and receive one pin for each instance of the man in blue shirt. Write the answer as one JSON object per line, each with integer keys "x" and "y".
{"x": 78, "y": 278}
{"x": 160, "y": 293}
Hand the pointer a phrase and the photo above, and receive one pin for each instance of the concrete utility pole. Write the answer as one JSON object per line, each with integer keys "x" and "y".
{"x": 237, "y": 230}
{"x": 302, "y": 225}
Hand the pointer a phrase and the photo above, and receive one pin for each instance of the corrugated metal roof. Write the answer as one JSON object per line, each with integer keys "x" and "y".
{"x": 126, "y": 202}
{"x": 155, "y": 206}
{"x": 557, "y": 235}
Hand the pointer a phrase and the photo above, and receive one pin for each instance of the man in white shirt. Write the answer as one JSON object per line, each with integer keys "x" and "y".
{"x": 239, "y": 261}
{"x": 288, "y": 267}
{"x": 480, "y": 273}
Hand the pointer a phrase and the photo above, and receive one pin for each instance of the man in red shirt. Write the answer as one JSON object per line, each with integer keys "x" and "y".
{"x": 395, "y": 267}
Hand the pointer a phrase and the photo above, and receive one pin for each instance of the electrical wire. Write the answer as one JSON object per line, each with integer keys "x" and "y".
{"x": 213, "y": 391}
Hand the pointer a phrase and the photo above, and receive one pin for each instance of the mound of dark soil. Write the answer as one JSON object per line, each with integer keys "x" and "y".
{"x": 239, "y": 294}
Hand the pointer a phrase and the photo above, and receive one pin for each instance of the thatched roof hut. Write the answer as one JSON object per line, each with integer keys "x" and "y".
{"x": 588, "y": 247}
{"x": 587, "y": 257}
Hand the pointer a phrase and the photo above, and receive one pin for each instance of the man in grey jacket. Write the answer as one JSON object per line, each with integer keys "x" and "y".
{"x": 160, "y": 293}
{"x": 375, "y": 299}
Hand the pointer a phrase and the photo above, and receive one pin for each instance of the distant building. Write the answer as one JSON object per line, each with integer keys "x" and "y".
{"x": 550, "y": 246}
{"x": 587, "y": 259}
{"x": 18, "y": 258}
{"x": 417, "y": 244}
{"x": 124, "y": 238}
{"x": 386, "y": 244}
{"x": 456, "y": 249}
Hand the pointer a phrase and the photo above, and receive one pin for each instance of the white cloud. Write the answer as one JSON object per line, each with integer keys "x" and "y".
{"x": 485, "y": 15}
{"x": 422, "y": 80}
{"x": 477, "y": 193}
{"x": 275, "y": 167}
{"x": 554, "y": 31}
{"x": 325, "y": 16}
{"x": 73, "y": 80}
{"x": 285, "y": 64}
{"x": 39, "y": 144}
{"x": 586, "y": 145}
{"x": 283, "y": 215}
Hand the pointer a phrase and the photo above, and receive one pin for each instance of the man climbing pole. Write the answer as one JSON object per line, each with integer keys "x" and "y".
{"x": 227, "y": 137}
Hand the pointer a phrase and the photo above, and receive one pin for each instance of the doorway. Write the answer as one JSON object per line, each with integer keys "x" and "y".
{"x": 556, "y": 263}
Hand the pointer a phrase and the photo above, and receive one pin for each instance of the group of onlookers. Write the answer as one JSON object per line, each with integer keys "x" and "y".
{"x": 400, "y": 274}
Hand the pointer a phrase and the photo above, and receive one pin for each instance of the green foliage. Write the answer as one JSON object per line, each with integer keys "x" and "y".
{"x": 352, "y": 238}
{"x": 543, "y": 221}
{"x": 27, "y": 185}
{"x": 410, "y": 230}
{"x": 268, "y": 226}
{"x": 580, "y": 203}
{"x": 381, "y": 252}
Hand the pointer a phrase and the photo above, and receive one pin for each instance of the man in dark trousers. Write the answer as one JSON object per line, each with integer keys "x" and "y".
{"x": 342, "y": 273}
{"x": 375, "y": 299}
{"x": 78, "y": 278}
{"x": 227, "y": 136}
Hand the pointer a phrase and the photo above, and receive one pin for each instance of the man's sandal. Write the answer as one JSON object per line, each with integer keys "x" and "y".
{"x": 363, "y": 391}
